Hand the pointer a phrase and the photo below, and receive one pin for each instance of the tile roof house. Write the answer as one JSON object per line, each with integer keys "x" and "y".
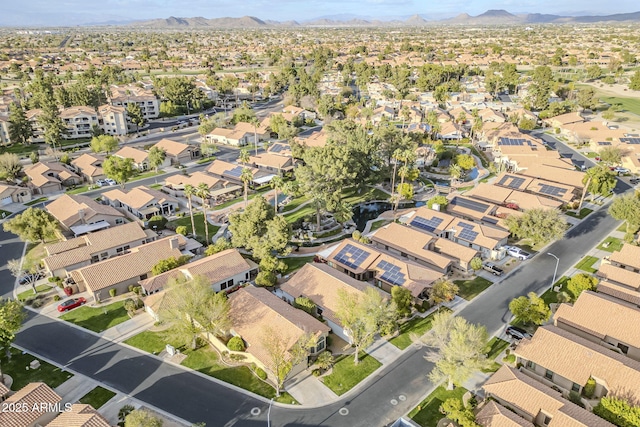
{"x": 255, "y": 312}
{"x": 273, "y": 163}
{"x": 506, "y": 196}
{"x": 235, "y": 137}
{"x": 575, "y": 361}
{"x": 68, "y": 255}
{"x": 43, "y": 403}
{"x": 365, "y": 262}
{"x": 224, "y": 270}
{"x": 230, "y": 171}
{"x": 320, "y": 283}
{"x": 536, "y": 402}
{"x": 609, "y": 328}
{"x": 128, "y": 269}
{"x": 141, "y": 202}
{"x": 76, "y": 212}
{"x": 50, "y": 177}
{"x": 177, "y": 152}
{"x": 89, "y": 167}
{"x": 493, "y": 414}
{"x": 140, "y": 157}
{"x": 562, "y": 192}
{"x": 622, "y": 276}
{"x": 175, "y": 184}
{"x": 628, "y": 258}
{"x": 316, "y": 139}
{"x": 14, "y": 194}
{"x": 79, "y": 415}
{"x": 113, "y": 119}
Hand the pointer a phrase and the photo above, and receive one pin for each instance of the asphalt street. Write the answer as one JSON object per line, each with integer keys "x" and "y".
{"x": 10, "y": 248}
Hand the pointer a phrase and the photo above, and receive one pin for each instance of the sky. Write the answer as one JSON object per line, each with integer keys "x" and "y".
{"x": 78, "y": 12}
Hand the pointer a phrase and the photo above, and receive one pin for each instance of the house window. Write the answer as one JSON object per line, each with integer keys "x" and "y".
{"x": 144, "y": 276}
{"x": 119, "y": 250}
{"x": 127, "y": 247}
{"x": 548, "y": 375}
{"x": 531, "y": 365}
{"x": 623, "y": 348}
{"x": 119, "y": 221}
{"x": 575, "y": 387}
{"x": 104, "y": 254}
{"x": 547, "y": 420}
{"x": 229, "y": 283}
{"x": 321, "y": 345}
{"x": 95, "y": 258}
{"x": 223, "y": 286}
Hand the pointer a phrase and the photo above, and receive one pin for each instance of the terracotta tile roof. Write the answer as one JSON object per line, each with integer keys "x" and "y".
{"x": 316, "y": 139}
{"x": 4, "y": 390}
{"x": 139, "y": 197}
{"x": 536, "y": 185}
{"x": 125, "y": 267}
{"x": 71, "y": 112}
{"x": 80, "y": 415}
{"x": 81, "y": 248}
{"x": 221, "y": 168}
{"x": 320, "y": 283}
{"x": 454, "y": 250}
{"x": 31, "y": 396}
{"x": 138, "y": 156}
{"x": 67, "y": 207}
{"x": 194, "y": 179}
{"x": 493, "y": 414}
{"x": 550, "y": 169}
{"x": 577, "y": 359}
{"x": 229, "y": 133}
{"x": 513, "y": 388}
{"x": 106, "y": 109}
{"x": 252, "y": 309}
{"x": 216, "y": 268}
{"x": 619, "y": 275}
{"x": 613, "y": 319}
{"x": 621, "y": 292}
{"x": 86, "y": 164}
{"x": 38, "y": 173}
{"x": 413, "y": 242}
{"x": 173, "y": 148}
{"x": 502, "y": 195}
{"x": 272, "y": 160}
{"x": 508, "y": 180}
{"x": 629, "y": 255}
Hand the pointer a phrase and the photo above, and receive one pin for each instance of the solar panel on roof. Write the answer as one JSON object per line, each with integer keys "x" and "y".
{"x": 467, "y": 232}
{"x": 630, "y": 140}
{"x": 552, "y": 190}
{"x": 392, "y": 273}
{"x": 351, "y": 256}
{"x": 469, "y": 204}
{"x": 516, "y": 182}
{"x": 426, "y": 224}
{"x": 235, "y": 172}
{"x": 603, "y": 143}
{"x": 504, "y": 179}
{"x": 490, "y": 220}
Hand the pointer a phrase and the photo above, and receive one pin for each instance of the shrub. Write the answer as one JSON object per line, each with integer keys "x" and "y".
{"x": 37, "y": 303}
{"x": 261, "y": 373}
{"x": 182, "y": 229}
{"x": 589, "y": 388}
{"x": 574, "y": 396}
{"x": 510, "y": 358}
{"x": 629, "y": 237}
{"x": 130, "y": 288}
{"x": 158, "y": 221}
{"x": 316, "y": 372}
{"x": 618, "y": 412}
{"x": 266, "y": 278}
{"x": 60, "y": 285}
{"x": 28, "y": 301}
{"x": 112, "y": 292}
{"x": 236, "y": 344}
{"x": 305, "y": 304}
{"x": 56, "y": 297}
{"x": 53, "y": 279}
{"x": 476, "y": 263}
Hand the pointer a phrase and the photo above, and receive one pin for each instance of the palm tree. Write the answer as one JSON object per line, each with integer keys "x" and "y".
{"x": 246, "y": 177}
{"x": 276, "y": 183}
{"x": 189, "y": 191}
{"x": 408, "y": 156}
{"x": 204, "y": 193}
{"x": 254, "y": 121}
{"x": 396, "y": 157}
{"x": 243, "y": 157}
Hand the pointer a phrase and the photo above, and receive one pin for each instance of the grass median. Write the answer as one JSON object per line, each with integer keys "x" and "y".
{"x": 346, "y": 374}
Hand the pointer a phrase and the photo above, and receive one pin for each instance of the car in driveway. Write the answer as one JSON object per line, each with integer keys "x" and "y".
{"x": 71, "y": 304}
{"x": 620, "y": 170}
{"x": 518, "y": 253}
{"x": 110, "y": 181}
{"x": 517, "y": 333}
{"x": 100, "y": 182}
{"x": 634, "y": 181}
{"x": 492, "y": 268}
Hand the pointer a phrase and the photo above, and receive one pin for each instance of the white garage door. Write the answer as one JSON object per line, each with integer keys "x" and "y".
{"x": 6, "y": 201}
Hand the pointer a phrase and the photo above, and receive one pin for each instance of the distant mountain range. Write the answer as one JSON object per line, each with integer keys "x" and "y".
{"x": 490, "y": 17}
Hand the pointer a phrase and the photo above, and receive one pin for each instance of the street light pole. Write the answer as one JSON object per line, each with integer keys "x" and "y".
{"x": 556, "y": 270}
{"x": 269, "y": 413}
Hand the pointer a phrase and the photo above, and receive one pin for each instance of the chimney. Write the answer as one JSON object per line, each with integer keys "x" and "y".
{"x": 435, "y": 207}
{"x": 81, "y": 215}
{"x": 173, "y": 243}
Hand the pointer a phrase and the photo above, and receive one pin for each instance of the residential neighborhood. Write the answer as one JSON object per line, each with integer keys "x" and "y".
{"x": 332, "y": 222}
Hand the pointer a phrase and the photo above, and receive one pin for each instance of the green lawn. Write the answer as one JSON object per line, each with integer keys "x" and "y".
{"x": 631, "y": 105}
{"x": 4, "y": 214}
{"x": 352, "y": 197}
{"x": 378, "y": 224}
{"x": 495, "y": 346}
{"x": 17, "y": 367}
{"x": 623, "y": 227}
{"x": 155, "y": 186}
{"x": 427, "y": 413}
{"x": 550, "y": 296}
{"x": 586, "y": 264}
{"x": 198, "y": 220}
{"x": 19, "y": 149}
{"x": 149, "y": 174}
{"x": 294, "y": 203}
{"x": 307, "y": 210}
{"x": 241, "y": 199}
{"x": 97, "y": 319}
{"x": 26, "y": 294}
{"x": 583, "y": 212}
{"x": 614, "y": 244}
{"x": 206, "y": 360}
{"x": 591, "y": 154}
{"x": 36, "y": 201}
{"x": 294, "y": 263}
{"x": 469, "y": 289}
{"x": 346, "y": 374}
{"x": 418, "y": 326}
{"x": 97, "y": 397}
{"x": 78, "y": 190}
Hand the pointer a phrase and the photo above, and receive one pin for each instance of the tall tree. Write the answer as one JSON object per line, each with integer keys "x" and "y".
{"x": 135, "y": 115}
{"x": 276, "y": 183}
{"x": 601, "y": 180}
{"x": 10, "y": 166}
{"x": 142, "y": 418}
{"x": 25, "y": 270}
{"x": 189, "y": 192}
{"x": 581, "y": 282}
{"x": 202, "y": 191}
{"x": 156, "y": 157}
{"x": 119, "y": 169}
{"x": 243, "y": 156}
{"x": 442, "y": 291}
{"x": 104, "y": 144}
{"x": 246, "y": 176}
{"x": 611, "y": 155}
{"x": 193, "y": 308}
{"x": 459, "y": 349}
{"x": 52, "y": 124}
{"x": 540, "y": 88}
{"x": 32, "y": 225}
{"x": 530, "y": 309}
{"x": 627, "y": 208}
{"x": 539, "y": 225}
{"x": 11, "y": 317}
{"x": 20, "y": 130}
{"x": 364, "y": 316}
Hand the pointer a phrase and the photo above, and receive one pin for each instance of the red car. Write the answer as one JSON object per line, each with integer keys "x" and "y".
{"x": 71, "y": 304}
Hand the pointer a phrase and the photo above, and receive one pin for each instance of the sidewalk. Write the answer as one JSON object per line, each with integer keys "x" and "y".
{"x": 125, "y": 330}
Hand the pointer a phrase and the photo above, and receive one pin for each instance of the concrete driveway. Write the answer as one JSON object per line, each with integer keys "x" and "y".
{"x": 383, "y": 351}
